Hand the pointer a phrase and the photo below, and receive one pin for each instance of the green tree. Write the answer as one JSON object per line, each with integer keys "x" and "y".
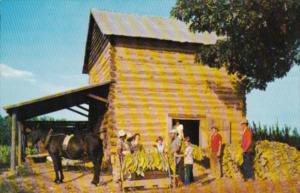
{"x": 261, "y": 36}
{"x": 5, "y": 125}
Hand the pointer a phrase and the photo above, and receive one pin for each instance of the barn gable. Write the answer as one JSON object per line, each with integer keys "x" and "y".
{"x": 108, "y": 27}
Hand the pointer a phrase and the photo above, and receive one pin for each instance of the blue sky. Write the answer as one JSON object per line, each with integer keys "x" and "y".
{"x": 42, "y": 51}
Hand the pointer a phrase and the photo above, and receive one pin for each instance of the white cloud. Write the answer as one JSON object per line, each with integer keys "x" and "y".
{"x": 71, "y": 76}
{"x": 9, "y": 72}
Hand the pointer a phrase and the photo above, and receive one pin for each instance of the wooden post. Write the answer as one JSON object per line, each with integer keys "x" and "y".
{"x": 230, "y": 140}
{"x": 13, "y": 142}
{"x": 20, "y": 142}
{"x": 174, "y": 174}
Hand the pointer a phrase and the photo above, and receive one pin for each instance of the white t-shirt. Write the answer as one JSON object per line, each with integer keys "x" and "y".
{"x": 160, "y": 147}
{"x": 179, "y": 129}
{"x": 188, "y": 155}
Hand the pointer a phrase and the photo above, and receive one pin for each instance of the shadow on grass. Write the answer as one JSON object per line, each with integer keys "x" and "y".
{"x": 4, "y": 168}
{"x": 10, "y": 185}
{"x": 78, "y": 177}
{"x": 21, "y": 171}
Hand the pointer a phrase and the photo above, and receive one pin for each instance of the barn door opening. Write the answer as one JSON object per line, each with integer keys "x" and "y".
{"x": 190, "y": 128}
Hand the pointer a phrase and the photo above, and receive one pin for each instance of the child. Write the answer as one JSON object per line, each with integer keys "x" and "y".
{"x": 188, "y": 162}
{"x": 159, "y": 145}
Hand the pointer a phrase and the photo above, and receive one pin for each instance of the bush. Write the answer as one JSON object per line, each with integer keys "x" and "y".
{"x": 31, "y": 151}
{"x": 4, "y": 155}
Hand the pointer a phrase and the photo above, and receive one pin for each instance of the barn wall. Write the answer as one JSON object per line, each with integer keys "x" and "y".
{"x": 101, "y": 71}
{"x": 152, "y": 85}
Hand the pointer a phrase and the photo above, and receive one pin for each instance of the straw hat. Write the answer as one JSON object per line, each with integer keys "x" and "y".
{"x": 121, "y": 133}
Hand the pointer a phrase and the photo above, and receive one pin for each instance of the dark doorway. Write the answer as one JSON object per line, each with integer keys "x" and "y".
{"x": 190, "y": 128}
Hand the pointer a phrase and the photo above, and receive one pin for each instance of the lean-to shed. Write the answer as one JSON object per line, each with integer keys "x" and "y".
{"x": 151, "y": 61}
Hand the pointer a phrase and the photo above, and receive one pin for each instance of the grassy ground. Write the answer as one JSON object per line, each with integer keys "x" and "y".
{"x": 38, "y": 178}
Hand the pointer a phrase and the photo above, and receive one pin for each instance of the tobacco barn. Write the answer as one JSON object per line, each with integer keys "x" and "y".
{"x": 151, "y": 61}
{"x": 143, "y": 76}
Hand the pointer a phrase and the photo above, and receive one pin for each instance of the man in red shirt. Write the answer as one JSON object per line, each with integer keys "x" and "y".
{"x": 247, "y": 151}
{"x": 215, "y": 152}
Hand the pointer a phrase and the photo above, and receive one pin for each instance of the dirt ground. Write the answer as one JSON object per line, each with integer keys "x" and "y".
{"x": 38, "y": 178}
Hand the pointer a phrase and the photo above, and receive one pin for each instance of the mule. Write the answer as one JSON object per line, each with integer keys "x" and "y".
{"x": 79, "y": 146}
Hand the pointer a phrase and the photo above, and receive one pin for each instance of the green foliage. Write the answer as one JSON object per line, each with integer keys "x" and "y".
{"x": 31, "y": 151}
{"x": 274, "y": 132}
{"x": 4, "y": 155}
{"x": 5, "y": 125}
{"x": 262, "y": 37}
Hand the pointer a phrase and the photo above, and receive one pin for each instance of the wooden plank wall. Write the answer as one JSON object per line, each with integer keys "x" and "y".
{"x": 152, "y": 84}
{"x": 101, "y": 71}
{"x": 99, "y": 57}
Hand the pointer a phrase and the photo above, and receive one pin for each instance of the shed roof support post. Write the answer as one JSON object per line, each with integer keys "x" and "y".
{"x": 13, "y": 142}
{"x": 20, "y": 142}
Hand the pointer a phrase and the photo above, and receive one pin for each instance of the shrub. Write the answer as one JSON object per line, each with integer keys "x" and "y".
{"x": 31, "y": 151}
{"x": 4, "y": 155}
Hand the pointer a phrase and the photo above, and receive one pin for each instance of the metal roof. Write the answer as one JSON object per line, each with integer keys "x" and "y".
{"x": 120, "y": 24}
{"x": 58, "y": 101}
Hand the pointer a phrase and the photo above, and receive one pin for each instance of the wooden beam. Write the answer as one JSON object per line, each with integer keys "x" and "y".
{"x": 78, "y": 112}
{"x": 83, "y": 108}
{"x": 20, "y": 142}
{"x": 98, "y": 98}
{"x": 13, "y": 142}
